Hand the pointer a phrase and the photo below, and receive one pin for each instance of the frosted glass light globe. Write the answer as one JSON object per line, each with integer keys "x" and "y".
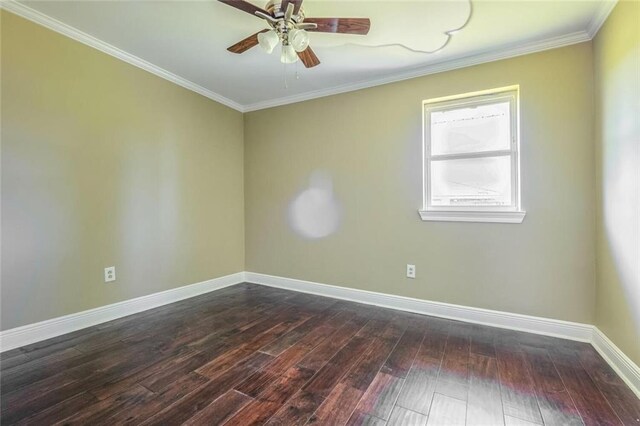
{"x": 288, "y": 55}
{"x": 268, "y": 40}
{"x": 299, "y": 39}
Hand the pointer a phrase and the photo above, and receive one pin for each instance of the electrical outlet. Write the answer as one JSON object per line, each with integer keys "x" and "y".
{"x": 411, "y": 271}
{"x": 109, "y": 274}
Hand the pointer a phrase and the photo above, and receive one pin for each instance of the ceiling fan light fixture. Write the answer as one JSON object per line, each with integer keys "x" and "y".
{"x": 268, "y": 40}
{"x": 288, "y": 55}
{"x": 299, "y": 39}
{"x": 288, "y": 23}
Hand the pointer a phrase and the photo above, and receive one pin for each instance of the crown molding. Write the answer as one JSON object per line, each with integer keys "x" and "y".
{"x": 506, "y": 52}
{"x": 606, "y": 7}
{"x": 53, "y": 24}
{"x": 448, "y": 65}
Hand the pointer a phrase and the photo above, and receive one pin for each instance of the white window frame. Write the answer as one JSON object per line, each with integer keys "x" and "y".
{"x": 504, "y": 214}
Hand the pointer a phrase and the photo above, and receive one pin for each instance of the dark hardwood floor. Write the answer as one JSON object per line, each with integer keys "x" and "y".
{"x": 250, "y": 354}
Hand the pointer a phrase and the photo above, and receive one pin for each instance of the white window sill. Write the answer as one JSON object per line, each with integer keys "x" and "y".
{"x": 464, "y": 216}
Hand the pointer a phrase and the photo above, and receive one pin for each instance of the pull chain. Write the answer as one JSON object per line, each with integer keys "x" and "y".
{"x": 284, "y": 75}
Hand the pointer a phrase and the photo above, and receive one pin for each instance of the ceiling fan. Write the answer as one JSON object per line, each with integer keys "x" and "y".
{"x": 289, "y": 27}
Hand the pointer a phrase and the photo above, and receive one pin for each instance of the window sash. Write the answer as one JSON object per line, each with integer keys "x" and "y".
{"x": 501, "y": 95}
{"x": 478, "y": 154}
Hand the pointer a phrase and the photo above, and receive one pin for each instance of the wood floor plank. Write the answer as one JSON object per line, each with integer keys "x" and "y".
{"x": 622, "y": 399}
{"x": 269, "y": 402}
{"x": 297, "y": 410}
{"x": 35, "y": 402}
{"x": 50, "y": 346}
{"x": 280, "y": 357}
{"x": 419, "y": 387}
{"x": 245, "y": 323}
{"x": 518, "y": 392}
{"x": 402, "y": 417}
{"x": 447, "y": 411}
{"x": 154, "y": 403}
{"x": 420, "y": 383}
{"x": 374, "y": 357}
{"x": 115, "y": 359}
{"x": 361, "y": 419}
{"x": 435, "y": 340}
{"x": 401, "y": 359}
{"x": 278, "y": 346}
{"x": 329, "y": 375}
{"x": 514, "y": 421}
{"x": 483, "y": 341}
{"x": 256, "y": 383}
{"x": 99, "y": 413}
{"x": 188, "y": 406}
{"x": 454, "y": 369}
{"x": 344, "y": 397}
{"x": 325, "y": 351}
{"x": 556, "y": 405}
{"x": 484, "y": 405}
{"x": 380, "y": 397}
{"x": 6, "y": 355}
{"x": 38, "y": 369}
{"x": 12, "y": 400}
{"x": 13, "y": 360}
{"x": 338, "y": 407}
{"x": 220, "y": 410}
{"x": 60, "y": 411}
{"x": 172, "y": 372}
{"x": 123, "y": 382}
{"x": 592, "y": 405}
{"x": 247, "y": 343}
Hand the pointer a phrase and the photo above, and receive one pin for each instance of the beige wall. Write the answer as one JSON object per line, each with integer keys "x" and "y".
{"x": 617, "y": 130}
{"x": 369, "y": 142}
{"x": 105, "y": 164}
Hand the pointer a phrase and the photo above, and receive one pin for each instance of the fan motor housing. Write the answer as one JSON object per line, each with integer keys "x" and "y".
{"x": 274, "y": 7}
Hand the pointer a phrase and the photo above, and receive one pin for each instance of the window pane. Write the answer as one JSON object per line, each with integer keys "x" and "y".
{"x": 471, "y": 182}
{"x": 475, "y": 129}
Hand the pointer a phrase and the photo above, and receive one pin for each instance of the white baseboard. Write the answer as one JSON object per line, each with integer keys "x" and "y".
{"x": 31, "y": 333}
{"x": 548, "y": 327}
{"x": 626, "y": 369}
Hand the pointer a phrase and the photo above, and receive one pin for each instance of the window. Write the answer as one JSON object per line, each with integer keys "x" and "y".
{"x": 471, "y": 158}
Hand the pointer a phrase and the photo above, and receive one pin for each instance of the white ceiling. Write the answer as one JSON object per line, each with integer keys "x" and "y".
{"x": 186, "y": 41}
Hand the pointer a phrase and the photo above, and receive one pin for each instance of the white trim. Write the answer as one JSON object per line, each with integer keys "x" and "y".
{"x": 472, "y": 216}
{"x": 623, "y": 366}
{"x": 75, "y": 34}
{"x": 537, "y": 325}
{"x": 606, "y": 7}
{"x": 511, "y": 95}
{"x": 626, "y": 369}
{"x": 25, "y": 335}
{"x": 448, "y": 65}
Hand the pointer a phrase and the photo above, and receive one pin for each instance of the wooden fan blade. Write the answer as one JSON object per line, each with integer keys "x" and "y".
{"x": 246, "y": 44}
{"x": 245, "y": 6}
{"x": 296, "y": 5}
{"x": 288, "y": 13}
{"x": 340, "y": 25}
{"x": 309, "y": 58}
